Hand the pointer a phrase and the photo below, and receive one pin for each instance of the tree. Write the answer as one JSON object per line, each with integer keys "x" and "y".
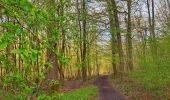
{"x": 52, "y": 74}
{"x": 84, "y": 47}
{"x": 129, "y": 36}
{"x": 111, "y": 6}
{"x": 152, "y": 26}
{"x": 119, "y": 40}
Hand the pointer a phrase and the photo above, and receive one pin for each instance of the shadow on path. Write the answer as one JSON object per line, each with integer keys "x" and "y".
{"x": 106, "y": 91}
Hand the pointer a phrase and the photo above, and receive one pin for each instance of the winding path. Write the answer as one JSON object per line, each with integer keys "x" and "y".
{"x": 106, "y": 91}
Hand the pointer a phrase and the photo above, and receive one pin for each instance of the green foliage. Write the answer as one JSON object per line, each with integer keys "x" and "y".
{"x": 153, "y": 75}
{"x": 81, "y": 94}
{"x": 62, "y": 58}
{"x": 26, "y": 54}
{"x": 22, "y": 26}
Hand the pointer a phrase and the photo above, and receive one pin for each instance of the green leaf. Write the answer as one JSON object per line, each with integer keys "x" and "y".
{"x": 3, "y": 45}
{"x": 34, "y": 54}
{"x": 26, "y": 54}
{"x": 26, "y": 5}
{"x": 41, "y": 75}
{"x": 30, "y": 22}
{"x": 18, "y": 31}
{"x": 17, "y": 51}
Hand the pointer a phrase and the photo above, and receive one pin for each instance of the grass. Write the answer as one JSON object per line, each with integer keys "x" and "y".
{"x": 151, "y": 82}
{"x": 84, "y": 93}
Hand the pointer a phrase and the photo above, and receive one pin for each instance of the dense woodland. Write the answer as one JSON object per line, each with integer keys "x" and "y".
{"x": 45, "y": 43}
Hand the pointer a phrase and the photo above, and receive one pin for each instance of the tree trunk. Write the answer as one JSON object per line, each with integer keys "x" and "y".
{"x": 119, "y": 40}
{"x": 129, "y": 37}
{"x": 153, "y": 30}
{"x": 113, "y": 35}
{"x": 52, "y": 74}
{"x": 61, "y": 66}
{"x": 84, "y": 53}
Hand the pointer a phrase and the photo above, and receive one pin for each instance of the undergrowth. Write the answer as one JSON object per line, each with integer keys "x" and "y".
{"x": 84, "y": 93}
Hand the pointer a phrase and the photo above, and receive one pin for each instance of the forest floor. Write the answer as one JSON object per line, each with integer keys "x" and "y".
{"x": 70, "y": 85}
{"x": 135, "y": 91}
{"x": 106, "y": 90}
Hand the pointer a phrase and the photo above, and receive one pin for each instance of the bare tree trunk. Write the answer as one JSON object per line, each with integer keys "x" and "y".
{"x": 153, "y": 20}
{"x": 84, "y": 55}
{"x": 149, "y": 15}
{"x": 153, "y": 29}
{"x": 129, "y": 37}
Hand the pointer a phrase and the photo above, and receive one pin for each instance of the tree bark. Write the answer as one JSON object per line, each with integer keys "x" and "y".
{"x": 84, "y": 53}
{"x": 129, "y": 37}
{"x": 119, "y": 40}
{"x": 113, "y": 35}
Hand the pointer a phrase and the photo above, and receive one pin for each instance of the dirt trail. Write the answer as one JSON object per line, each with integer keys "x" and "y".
{"x": 106, "y": 91}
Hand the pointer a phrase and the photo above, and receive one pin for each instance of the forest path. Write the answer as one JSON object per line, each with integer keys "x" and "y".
{"x": 106, "y": 91}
